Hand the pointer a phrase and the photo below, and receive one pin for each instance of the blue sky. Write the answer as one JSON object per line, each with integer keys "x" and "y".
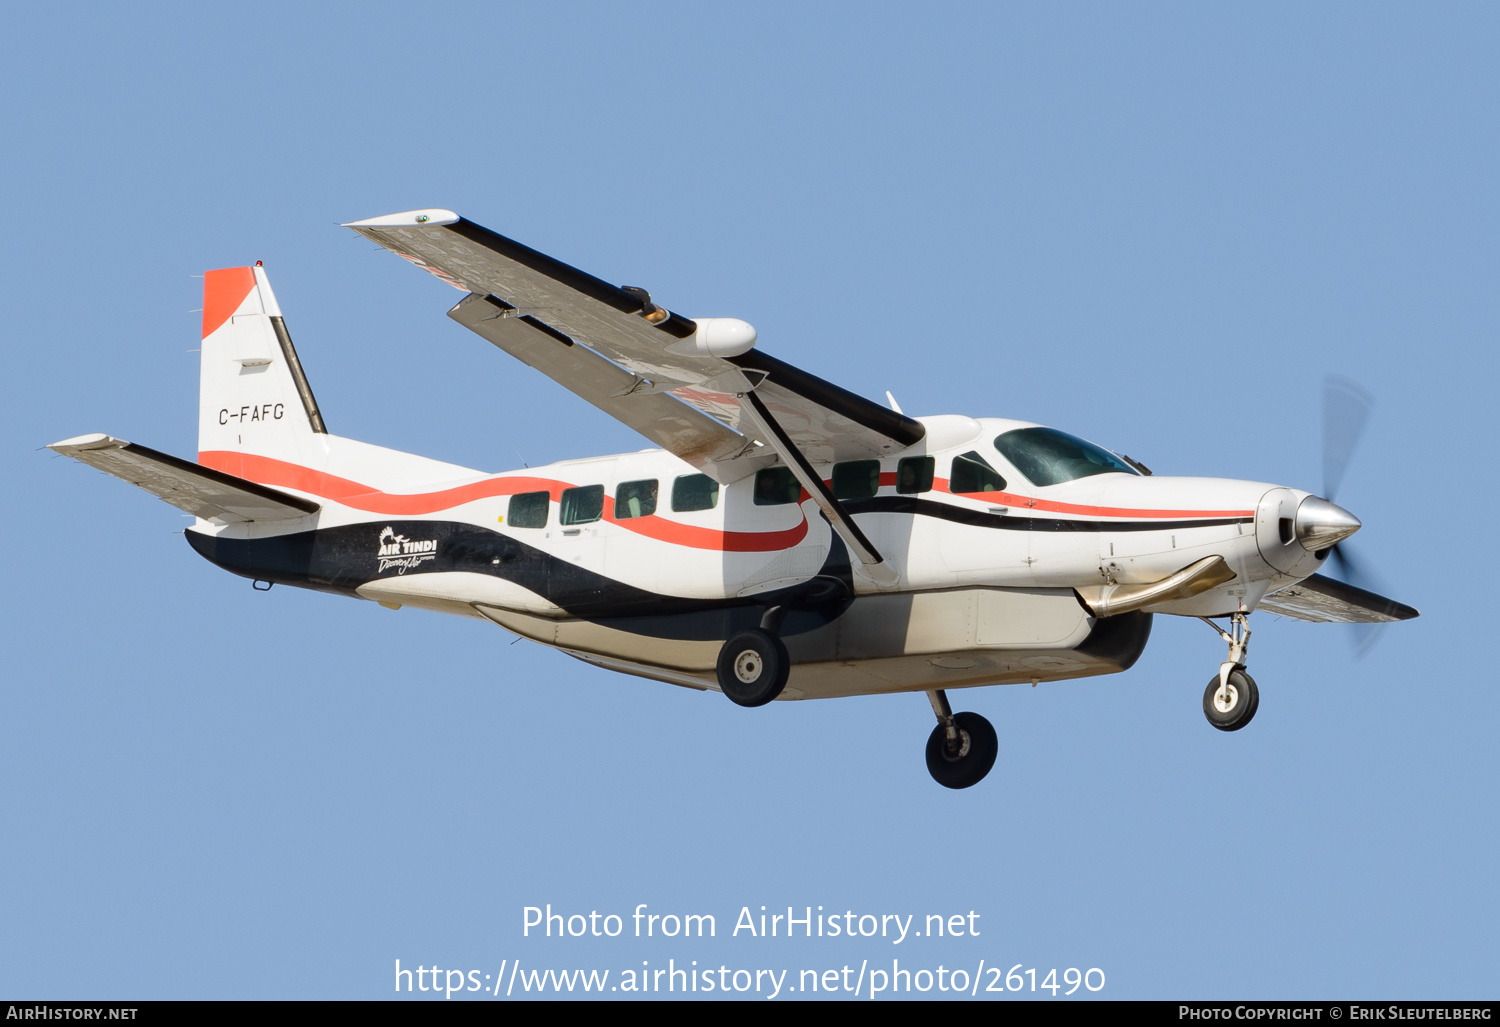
{"x": 1158, "y": 226}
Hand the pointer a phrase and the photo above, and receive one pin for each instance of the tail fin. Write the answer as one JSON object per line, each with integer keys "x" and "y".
{"x": 253, "y": 397}
{"x": 257, "y": 418}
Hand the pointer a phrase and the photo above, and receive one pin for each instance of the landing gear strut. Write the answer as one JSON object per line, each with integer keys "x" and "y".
{"x": 1231, "y": 698}
{"x": 962, "y": 748}
{"x": 753, "y": 665}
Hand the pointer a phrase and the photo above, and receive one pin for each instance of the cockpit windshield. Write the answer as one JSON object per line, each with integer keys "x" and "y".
{"x": 1050, "y": 457}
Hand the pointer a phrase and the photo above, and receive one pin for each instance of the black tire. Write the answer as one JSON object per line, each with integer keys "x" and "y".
{"x": 975, "y": 758}
{"x": 1245, "y": 700}
{"x": 753, "y": 667}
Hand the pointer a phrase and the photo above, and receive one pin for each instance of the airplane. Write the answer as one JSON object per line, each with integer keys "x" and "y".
{"x": 784, "y": 539}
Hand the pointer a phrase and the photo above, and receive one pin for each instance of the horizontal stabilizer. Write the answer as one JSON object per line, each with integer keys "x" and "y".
{"x": 201, "y": 491}
{"x": 1327, "y": 601}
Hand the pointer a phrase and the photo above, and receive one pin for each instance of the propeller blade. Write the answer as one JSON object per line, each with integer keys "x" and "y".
{"x": 1363, "y": 636}
{"x": 1346, "y": 408}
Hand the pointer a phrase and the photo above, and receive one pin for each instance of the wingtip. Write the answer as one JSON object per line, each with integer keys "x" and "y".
{"x": 408, "y": 219}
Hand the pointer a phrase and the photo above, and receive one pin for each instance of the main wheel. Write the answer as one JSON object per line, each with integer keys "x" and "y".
{"x": 753, "y": 667}
{"x": 1236, "y": 707}
{"x": 976, "y": 754}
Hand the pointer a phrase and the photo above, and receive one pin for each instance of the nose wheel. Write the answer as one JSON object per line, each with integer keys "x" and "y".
{"x": 1231, "y": 698}
{"x": 962, "y": 748}
{"x": 1231, "y": 704}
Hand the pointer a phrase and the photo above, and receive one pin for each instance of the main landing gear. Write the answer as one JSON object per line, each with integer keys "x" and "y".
{"x": 1231, "y": 698}
{"x": 752, "y": 670}
{"x": 962, "y": 748}
{"x": 753, "y": 665}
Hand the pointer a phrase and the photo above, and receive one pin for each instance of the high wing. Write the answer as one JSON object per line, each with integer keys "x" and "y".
{"x": 1325, "y": 600}
{"x": 201, "y": 491}
{"x": 658, "y": 372}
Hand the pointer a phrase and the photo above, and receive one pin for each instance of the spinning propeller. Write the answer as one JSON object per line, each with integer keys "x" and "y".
{"x": 1346, "y": 410}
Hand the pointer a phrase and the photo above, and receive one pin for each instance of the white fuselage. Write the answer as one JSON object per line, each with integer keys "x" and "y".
{"x": 975, "y": 574}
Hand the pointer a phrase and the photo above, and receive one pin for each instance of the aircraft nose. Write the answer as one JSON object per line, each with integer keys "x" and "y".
{"x": 1321, "y": 524}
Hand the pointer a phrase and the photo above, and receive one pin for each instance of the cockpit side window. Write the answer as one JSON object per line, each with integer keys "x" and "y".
{"x": 973, "y": 473}
{"x": 1047, "y": 456}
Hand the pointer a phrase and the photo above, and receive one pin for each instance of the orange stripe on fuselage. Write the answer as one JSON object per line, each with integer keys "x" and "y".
{"x": 278, "y": 473}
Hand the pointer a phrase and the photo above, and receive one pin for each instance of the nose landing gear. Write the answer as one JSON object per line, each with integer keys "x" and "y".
{"x": 962, "y": 748}
{"x": 1231, "y": 698}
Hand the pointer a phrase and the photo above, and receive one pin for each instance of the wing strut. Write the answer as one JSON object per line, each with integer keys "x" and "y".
{"x": 755, "y": 411}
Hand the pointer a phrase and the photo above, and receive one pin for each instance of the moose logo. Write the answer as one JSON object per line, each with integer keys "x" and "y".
{"x": 403, "y": 553}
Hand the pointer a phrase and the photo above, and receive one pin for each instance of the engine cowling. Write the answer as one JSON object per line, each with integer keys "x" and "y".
{"x": 1276, "y": 533}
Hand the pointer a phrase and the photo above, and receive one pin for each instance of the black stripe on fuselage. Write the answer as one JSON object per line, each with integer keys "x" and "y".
{"x": 341, "y": 559}
{"x": 1010, "y": 522}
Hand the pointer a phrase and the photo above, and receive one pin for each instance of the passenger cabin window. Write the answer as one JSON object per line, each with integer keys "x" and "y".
{"x": 694, "y": 492}
{"x": 776, "y": 486}
{"x": 973, "y": 473}
{"x": 856, "y": 479}
{"x": 583, "y": 505}
{"x": 914, "y": 474}
{"x": 1047, "y": 456}
{"x": 635, "y": 499}
{"x": 528, "y": 510}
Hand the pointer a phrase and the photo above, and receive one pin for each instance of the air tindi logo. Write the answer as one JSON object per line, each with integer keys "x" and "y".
{"x": 401, "y": 553}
